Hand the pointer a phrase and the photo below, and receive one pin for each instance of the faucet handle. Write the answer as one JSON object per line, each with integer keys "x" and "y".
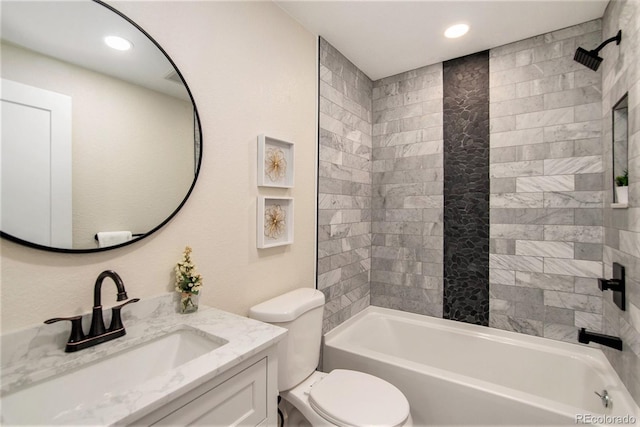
{"x": 116, "y": 319}
{"x": 76, "y": 327}
{"x": 610, "y": 284}
{"x": 603, "y": 284}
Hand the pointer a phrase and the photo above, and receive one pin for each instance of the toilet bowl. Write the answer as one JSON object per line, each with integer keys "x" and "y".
{"x": 343, "y": 398}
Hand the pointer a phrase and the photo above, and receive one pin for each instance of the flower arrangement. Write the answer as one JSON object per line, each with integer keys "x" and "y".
{"x": 623, "y": 180}
{"x": 188, "y": 282}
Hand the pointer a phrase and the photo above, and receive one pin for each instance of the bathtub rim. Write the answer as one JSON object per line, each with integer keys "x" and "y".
{"x": 590, "y": 355}
{"x": 492, "y": 334}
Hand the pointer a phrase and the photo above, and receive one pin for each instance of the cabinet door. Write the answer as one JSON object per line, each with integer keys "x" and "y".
{"x": 239, "y": 401}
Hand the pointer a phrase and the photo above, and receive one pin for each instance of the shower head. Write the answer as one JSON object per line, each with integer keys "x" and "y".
{"x": 590, "y": 58}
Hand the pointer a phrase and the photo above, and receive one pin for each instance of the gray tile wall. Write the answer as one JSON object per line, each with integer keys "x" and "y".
{"x": 407, "y": 224}
{"x": 344, "y": 181}
{"x": 546, "y": 186}
{"x": 621, "y": 74}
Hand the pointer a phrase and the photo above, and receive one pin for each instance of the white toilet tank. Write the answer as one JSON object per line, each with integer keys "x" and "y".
{"x": 300, "y": 311}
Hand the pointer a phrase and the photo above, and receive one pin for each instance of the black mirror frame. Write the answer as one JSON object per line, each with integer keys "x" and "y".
{"x": 186, "y": 197}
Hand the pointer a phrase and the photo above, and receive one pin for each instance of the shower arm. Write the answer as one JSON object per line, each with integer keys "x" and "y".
{"x": 615, "y": 38}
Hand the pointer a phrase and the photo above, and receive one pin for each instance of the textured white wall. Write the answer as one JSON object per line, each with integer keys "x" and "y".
{"x": 252, "y": 70}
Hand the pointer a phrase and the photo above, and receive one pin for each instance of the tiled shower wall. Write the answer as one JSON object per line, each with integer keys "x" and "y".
{"x": 344, "y": 181}
{"x": 407, "y": 228}
{"x": 621, "y": 74}
{"x": 550, "y": 183}
{"x": 546, "y": 186}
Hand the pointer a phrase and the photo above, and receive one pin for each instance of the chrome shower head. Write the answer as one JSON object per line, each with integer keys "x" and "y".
{"x": 590, "y": 58}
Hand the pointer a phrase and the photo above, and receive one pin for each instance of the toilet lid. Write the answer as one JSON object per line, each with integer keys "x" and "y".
{"x": 355, "y": 399}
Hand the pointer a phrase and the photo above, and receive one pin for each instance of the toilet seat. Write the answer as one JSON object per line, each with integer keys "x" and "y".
{"x": 355, "y": 399}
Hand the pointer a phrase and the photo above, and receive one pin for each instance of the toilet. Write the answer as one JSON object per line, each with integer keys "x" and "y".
{"x": 341, "y": 397}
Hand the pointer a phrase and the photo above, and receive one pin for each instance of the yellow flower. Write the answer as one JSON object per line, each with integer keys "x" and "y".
{"x": 187, "y": 279}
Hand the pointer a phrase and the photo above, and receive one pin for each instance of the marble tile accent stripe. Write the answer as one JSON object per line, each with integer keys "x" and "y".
{"x": 466, "y": 188}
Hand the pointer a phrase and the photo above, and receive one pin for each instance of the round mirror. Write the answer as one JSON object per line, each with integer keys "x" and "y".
{"x": 101, "y": 141}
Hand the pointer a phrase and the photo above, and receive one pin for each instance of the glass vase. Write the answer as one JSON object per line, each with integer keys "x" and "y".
{"x": 189, "y": 302}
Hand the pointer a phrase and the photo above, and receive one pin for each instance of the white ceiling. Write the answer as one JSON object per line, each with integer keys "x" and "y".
{"x": 384, "y": 38}
{"x": 73, "y": 31}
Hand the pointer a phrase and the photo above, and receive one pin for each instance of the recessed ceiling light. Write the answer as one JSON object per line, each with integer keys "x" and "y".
{"x": 118, "y": 43}
{"x": 456, "y": 31}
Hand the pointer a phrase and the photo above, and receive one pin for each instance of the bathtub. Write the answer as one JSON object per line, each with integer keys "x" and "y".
{"x": 455, "y": 373}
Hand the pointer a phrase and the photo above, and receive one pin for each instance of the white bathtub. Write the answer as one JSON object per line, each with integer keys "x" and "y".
{"x": 454, "y": 373}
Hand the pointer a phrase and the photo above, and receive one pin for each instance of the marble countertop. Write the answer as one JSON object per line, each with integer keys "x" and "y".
{"x": 33, "y": 355}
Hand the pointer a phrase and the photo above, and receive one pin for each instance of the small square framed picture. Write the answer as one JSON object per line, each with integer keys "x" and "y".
{"x": 275, "y": 162}
{"x": 274, "y": 221}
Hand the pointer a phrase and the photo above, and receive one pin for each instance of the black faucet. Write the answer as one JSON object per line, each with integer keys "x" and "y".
{"x": 586, "y": 337}
{"x": 97, "y": 322}
{"x": 97, "y": 333}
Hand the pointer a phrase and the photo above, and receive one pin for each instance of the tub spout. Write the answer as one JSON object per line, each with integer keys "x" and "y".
{"x": 585, "y": 337}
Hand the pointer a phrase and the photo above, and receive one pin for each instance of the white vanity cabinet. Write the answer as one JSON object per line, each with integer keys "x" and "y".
{"x": 245, "y": 395}
{"x": 208, "y": 368}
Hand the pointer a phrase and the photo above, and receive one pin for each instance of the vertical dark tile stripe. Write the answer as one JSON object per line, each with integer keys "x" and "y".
{"x": 466, "y": 188}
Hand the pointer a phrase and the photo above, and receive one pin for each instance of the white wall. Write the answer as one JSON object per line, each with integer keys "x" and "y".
{"x": 252, "y": 70}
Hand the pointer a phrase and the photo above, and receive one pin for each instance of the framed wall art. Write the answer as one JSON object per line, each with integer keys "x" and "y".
{"x": 275, "y": 221}
{"x": 275, "y": 162}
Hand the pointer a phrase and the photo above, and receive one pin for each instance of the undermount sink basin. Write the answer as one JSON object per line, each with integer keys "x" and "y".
{"x": 50, "y": 400}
